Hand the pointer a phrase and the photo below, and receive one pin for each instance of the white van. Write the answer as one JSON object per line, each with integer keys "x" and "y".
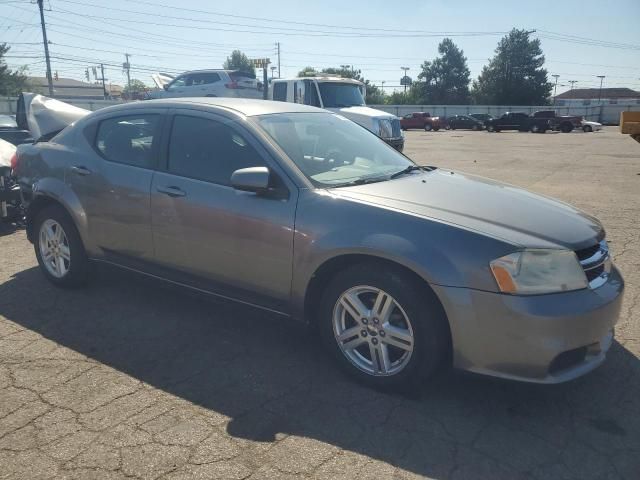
{"x": 341, "y": 95}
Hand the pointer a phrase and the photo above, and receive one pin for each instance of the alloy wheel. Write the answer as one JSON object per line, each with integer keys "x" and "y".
{"x": 373, "y": 331}
{"x": 54, "y": 248}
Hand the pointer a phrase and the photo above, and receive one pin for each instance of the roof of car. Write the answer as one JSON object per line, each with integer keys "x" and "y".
{"x": 321, "y": 78}
{"x": 245, "y": 106}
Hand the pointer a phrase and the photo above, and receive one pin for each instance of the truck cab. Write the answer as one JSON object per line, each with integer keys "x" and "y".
{"x": 341, "y": 95}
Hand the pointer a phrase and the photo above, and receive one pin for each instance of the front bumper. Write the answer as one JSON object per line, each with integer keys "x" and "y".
{"x": 539, "y": 338}
{"x": 397, "y": 143}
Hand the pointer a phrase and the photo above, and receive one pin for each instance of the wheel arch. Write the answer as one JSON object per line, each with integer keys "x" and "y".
{"x": 54, "y": 192}
{"x": 332, "y": 266}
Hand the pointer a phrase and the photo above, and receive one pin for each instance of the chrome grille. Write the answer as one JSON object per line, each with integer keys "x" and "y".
{"x": 596, "y": 263}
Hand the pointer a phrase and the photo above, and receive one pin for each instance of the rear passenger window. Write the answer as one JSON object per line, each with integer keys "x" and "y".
{"x": 208, "y": 150}
{"x": 128, "y": 139}
{"x": 280, "y": 91}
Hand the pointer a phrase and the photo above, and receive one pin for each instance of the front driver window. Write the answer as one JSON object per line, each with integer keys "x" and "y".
{"x": 209, "y": 150}
{"x": 177, "y": 83}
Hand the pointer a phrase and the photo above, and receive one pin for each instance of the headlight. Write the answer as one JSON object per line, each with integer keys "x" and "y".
{"x": 385, "y": 130}
{"x": 533, "y": 272}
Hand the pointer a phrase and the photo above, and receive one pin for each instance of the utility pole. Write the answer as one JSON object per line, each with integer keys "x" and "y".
{"x": 46, "y": 48}
{"x": 601, "y": 77}
{"x": 572, "y": 82}
{"x": 403, "y": 78}
{"x": 104, "y": 88}
{"x": 278, "y": 45}
{"x": 555, "y": 88}
{"x": 383, "y": 82}
{"x": 127, "y": 67}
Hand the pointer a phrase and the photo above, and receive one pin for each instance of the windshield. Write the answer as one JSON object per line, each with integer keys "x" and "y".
{"x": 338, "y": 95}
{"x": 331, "y": 150}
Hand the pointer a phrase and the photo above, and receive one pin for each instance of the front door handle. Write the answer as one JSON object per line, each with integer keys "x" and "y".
{"x": 80, "y": 170}
{"x": 172, "y": 191}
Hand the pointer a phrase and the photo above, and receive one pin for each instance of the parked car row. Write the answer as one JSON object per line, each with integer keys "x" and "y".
{"x": 538, "y": 122}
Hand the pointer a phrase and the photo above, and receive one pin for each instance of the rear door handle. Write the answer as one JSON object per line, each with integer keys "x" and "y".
{"x": 80, "y": 170}
{"x": 172, "y": 191}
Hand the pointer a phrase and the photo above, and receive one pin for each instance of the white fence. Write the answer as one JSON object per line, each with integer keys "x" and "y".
{"x": 608, "y": 114}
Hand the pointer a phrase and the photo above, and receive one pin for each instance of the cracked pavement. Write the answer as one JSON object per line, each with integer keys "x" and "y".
{"x": 131, "y": 378}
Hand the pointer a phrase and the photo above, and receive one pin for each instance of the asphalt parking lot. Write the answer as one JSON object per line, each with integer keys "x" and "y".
{"x": 130, "y": 378}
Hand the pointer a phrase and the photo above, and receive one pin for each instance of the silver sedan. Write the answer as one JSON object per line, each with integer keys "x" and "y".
{"x": 400, "y": 268}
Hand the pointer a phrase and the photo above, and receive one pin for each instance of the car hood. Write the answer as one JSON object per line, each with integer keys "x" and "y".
{"x": 499, "y": 210}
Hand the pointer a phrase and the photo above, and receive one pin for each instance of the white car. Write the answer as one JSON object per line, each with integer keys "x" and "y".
{"x": 591, "y": 126}
{"x": 208, "y": 83}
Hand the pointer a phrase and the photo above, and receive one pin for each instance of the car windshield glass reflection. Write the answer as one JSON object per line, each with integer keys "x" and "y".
{"x": 331, "y": 150}
{"x": 340, "y": 95}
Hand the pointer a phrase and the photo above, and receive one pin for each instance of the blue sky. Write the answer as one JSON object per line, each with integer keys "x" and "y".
{"x": 371, "y": 35}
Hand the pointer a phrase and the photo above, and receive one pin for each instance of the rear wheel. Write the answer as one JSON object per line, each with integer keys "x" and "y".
{"x": 59, "y": 249}
{"x": 475, "y": 128}
{"x": 587, "y": 129}
{"x": 491, "y": 128}
{"x": 381, "y": 327}
{"x": 566, "y": 127}
{"x": 427, "y": 127}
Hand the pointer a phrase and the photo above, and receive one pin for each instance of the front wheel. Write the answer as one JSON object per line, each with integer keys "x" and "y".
{"x": 381, "y": 327}
{"x": 587, "y": 129}
{"x": 491, "y": 128}
{"x": 428, "y": 127}
{"x": 59, "y": 249}
{"x": 566, "y": 128}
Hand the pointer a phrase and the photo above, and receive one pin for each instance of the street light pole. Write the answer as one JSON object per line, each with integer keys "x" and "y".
{"x": 601, "y": 77}
{"x": 555, "y": 88}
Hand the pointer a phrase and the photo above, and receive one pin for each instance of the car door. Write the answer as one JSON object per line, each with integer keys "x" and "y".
{"x": 112, "y": 180}
{"x": 238, "y": 244}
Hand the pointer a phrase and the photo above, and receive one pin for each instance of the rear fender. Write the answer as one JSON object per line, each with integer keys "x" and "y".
{"x": 52, "y": 190}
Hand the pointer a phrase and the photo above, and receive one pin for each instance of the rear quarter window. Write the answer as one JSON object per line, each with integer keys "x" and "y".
{"x": 128, "y": 139}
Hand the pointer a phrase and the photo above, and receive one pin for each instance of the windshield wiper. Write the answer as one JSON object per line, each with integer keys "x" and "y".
{"x": 360, "y": 181}
{"x": 409, "y": 169}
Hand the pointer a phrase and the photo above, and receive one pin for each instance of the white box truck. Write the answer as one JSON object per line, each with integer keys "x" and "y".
{"x": 341, "y": 95}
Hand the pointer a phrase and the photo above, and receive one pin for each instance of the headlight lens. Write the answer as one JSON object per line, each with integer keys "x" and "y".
{"x": 385, "y": 129}
{"x": 532, "y": 272}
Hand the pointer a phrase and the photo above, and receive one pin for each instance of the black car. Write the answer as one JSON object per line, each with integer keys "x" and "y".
{"x": 483, "y": 117}
{"x": 464, "y": 122}
{"x": 518, "y": 121}
{"x": 10, "y": 132}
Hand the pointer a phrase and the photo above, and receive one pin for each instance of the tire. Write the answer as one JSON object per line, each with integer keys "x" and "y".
{"x": 435, "y": 129}
{"x": 448, "y": 127}
{"x": 587, "y": 129}
{"x": 413, "y": 315}
{"x": 475, "y": 128}
{"x": 566, "y": 127}
{"x": 427, "y": 127}
{"x": 491, "y": 128}
{"x": 535, "y": 129}
{"x": 75, "y": 265}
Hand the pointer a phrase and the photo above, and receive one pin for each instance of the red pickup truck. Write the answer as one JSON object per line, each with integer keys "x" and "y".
{"x": 420, "y": 120}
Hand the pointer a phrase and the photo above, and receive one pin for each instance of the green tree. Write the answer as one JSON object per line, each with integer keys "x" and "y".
{"x": 137, "y": 87}
{"x": 375, "y": 95}
{"x": 445, "y": 80}
{"x": 11, "y": 82}
{"x": 515, "y": 75}
{"x": 239, "y": 61}
{"x": 308, "y": 72}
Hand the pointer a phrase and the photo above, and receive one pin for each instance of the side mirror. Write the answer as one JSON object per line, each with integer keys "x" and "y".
{"x": 165, "y": 86}
{"x": 253, "y": 179}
